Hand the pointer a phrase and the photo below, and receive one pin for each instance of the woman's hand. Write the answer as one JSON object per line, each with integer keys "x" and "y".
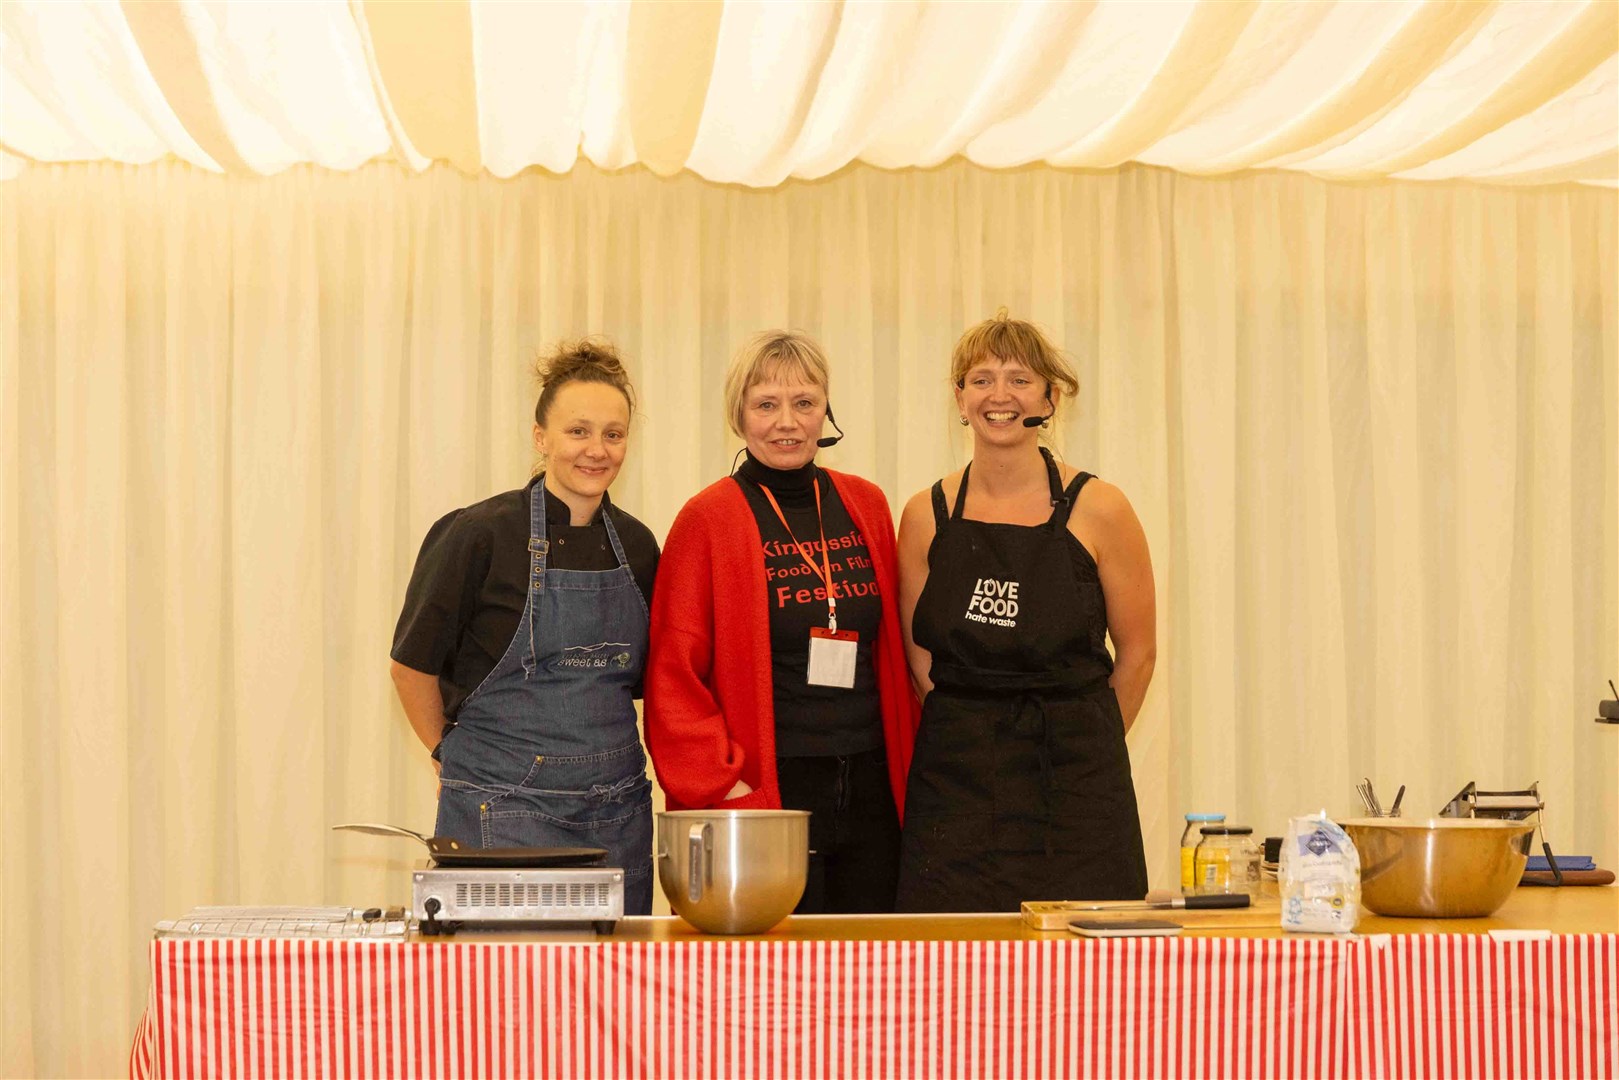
{"x": 738, "y": 790}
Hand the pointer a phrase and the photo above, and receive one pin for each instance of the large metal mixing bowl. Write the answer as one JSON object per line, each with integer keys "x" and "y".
{"x": 1439, "y": 868}
{"x": 733, "y": 871}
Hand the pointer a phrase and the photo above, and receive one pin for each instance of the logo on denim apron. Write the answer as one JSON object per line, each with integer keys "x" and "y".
{"x": 591, "y": 656}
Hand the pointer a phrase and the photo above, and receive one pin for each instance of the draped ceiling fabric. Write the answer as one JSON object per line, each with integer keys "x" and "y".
{"x": 1519, "y": 92}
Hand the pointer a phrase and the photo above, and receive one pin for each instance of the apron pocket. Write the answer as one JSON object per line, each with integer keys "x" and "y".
{"x": 953, "y": 766}
{"x": 620, "y": 822}
{"x": 585, "y": 774}
{"x": 454, "y": 774}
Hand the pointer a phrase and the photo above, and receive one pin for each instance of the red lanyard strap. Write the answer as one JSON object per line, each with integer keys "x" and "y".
{"x": 824, "y": 571}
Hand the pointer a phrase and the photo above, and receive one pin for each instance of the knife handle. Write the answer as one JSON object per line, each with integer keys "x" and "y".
{"x": 1219, "y": 900}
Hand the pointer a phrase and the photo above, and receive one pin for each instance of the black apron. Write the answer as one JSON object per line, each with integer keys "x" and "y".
{"x": 1020, "y": 785}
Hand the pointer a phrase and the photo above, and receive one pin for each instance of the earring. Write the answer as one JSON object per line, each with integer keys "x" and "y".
{"x": 963, "y": 419}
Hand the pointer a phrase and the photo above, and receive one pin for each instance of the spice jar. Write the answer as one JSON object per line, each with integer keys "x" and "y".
{"x": 1226, "y": 860}
{"x": 1189, "y": 841}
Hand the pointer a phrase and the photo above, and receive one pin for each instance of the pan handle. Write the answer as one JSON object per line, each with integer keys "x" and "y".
{"x": 384, "y": 830}
{"x": 699, "y": 867}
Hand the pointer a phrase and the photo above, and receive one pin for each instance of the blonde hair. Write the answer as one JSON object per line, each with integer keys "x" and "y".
{"x": 772, "y": 355}
{"x": 584, "y": 360}
{"x": 1004, "y": 338}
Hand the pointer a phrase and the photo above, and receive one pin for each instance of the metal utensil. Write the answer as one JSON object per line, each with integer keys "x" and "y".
{"x": 1366, "y": 800}
{"x": 1190, "y": 903}
{"x": 1394, "y": 811}
{"x": 1371, "y": 798}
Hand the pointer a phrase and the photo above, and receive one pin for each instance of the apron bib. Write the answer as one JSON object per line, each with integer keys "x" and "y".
{"x": 1020, "y": 786}
{"x": 545, "y": 752}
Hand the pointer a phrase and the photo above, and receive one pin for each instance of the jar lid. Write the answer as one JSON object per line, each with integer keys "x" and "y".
{"x": 1226, "y": 830}
{"x": 1205, "y": 817}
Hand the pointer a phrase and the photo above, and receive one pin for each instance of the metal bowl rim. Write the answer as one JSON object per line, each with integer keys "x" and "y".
{"x": 693, "y": 815}
{"x": 1440, "y": 824}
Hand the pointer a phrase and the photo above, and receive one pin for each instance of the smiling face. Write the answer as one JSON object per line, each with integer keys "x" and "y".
{"x": 781, "y": 420}
{"x": 583, "y": 439}
{"x": 996, "y": 395}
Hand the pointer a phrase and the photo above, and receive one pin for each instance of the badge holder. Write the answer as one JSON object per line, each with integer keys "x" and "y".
{"x": 832, "y": 656}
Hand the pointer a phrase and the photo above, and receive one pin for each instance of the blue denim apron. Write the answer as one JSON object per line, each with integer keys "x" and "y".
{"x": 545, "y": 751}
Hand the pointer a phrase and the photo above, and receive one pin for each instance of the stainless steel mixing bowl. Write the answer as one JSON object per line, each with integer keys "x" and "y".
{"x": 1438, "y": 868}
{"x": 733, "y": 871}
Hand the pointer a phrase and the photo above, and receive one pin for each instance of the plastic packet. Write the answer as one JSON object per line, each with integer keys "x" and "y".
{"x": 1319, "y": 877}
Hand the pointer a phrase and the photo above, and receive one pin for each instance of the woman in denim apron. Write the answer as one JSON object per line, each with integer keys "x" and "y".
{"x": 543, "y": 749}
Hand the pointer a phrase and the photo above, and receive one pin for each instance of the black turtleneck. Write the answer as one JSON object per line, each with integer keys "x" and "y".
{"x": 797, "y": 485}
{"x": 815, "y": 721}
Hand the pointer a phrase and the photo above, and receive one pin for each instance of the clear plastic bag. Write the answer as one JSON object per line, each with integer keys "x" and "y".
{"x": 1319, "y": 877}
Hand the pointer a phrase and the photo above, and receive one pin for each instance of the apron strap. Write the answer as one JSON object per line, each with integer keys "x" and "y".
{"x": 1062, "y": 499}
{"x": 538, "y": 548}
{"x": 612, "y": 533}
{"x": 941, "y": 513}
{"x": 961, "y": 493}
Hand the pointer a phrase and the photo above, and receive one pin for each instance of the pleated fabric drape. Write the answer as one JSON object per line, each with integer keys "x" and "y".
{"x": 757, "y": 94}
{"x": 1372, "y": 433}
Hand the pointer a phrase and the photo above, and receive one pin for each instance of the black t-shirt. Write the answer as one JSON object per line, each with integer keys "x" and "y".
{"x": 466, "y": 595}
{"x": 815, "y": 721}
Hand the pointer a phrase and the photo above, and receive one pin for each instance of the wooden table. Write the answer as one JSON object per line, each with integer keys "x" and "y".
{"x": 1562, "y": 911}
{"x": 958, "y": 995}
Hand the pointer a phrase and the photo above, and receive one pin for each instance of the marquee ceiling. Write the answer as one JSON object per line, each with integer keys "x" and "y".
{"x": 1519, "y": 92}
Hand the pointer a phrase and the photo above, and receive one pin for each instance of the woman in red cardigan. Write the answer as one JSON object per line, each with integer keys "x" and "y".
{"x": 776, "y": 676}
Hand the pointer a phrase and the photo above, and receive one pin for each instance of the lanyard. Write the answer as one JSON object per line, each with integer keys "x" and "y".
{"x": 824, "y": 571}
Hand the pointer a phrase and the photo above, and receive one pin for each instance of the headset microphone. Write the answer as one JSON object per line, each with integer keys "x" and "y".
{"x": 1036, "y": 421}
{"x": 830, "y": 440}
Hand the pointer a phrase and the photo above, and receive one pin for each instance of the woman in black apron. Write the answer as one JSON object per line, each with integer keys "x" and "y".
{"x": 1011, "y": 582}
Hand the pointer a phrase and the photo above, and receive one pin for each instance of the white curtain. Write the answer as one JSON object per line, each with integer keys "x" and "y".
{"x": 1372, "y": 432}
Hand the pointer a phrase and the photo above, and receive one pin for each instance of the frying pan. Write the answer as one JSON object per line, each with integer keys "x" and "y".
{"x": 447, "y": 852}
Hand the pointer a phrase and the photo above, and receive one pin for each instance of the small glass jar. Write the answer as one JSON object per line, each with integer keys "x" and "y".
{"x": 1226, "y": 860}
{"x": 1189, "y": 841}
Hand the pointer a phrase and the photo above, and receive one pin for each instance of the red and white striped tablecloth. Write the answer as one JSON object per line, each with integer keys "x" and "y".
{"x": 1418, "y": 1006}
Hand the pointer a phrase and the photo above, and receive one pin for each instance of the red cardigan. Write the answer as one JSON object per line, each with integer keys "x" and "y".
{"x": 710, "y": 705}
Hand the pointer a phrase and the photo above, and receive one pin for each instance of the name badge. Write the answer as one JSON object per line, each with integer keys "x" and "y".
{"x": 831, "y": 657}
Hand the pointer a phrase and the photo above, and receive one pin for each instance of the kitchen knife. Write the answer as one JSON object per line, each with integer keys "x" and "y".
{"x": 1191, "y": 903}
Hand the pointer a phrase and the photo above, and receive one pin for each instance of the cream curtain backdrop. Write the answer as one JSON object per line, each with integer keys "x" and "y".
{"x": 1372, "y": 432}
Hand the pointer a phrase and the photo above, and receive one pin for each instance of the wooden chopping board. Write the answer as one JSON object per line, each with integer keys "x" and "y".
{"x": 1054, "y": 915}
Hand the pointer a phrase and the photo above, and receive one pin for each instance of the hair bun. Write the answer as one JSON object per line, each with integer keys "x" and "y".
{"x": 588, "y": 358}
{"x": 583, "y": 360}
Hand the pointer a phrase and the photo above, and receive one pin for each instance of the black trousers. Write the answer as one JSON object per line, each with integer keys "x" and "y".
{"x": 854, "y": 831}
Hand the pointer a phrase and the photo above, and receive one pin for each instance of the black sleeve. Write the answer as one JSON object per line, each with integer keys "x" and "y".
{"x": 442, "y": 595}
